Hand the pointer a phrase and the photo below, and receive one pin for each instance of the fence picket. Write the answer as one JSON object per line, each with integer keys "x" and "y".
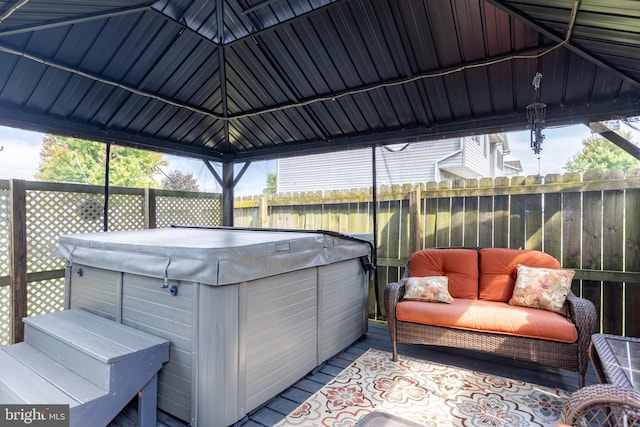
{"x": 501, "y": 221}
{"x": 631, "y": 326}
{"x": 517, "y": 214}
{"x": 485, "y": 221}
{"x": 470, "y": 221}
{"x": 552, "y": 233}
{"x": 612, "y": 259}
{"x": 457, "y": 221}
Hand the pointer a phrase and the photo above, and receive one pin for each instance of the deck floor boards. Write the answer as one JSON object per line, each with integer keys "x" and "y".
{"x": 378, "y": 337}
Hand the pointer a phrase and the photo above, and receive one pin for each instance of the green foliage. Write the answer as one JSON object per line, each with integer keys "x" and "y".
{"x": 601, "y": 154}
{"x": 179, "y": 181}
{"x": 270, "y": 187}
{"x": 64, "y": 159}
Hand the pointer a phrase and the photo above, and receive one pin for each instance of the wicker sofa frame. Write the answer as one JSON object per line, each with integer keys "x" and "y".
{"x": 614, "y": 402}
{"x": 570, "y": 356}
{"x": 603, "y": 405}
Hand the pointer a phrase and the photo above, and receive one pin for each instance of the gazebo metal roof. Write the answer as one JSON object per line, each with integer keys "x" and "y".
{"x": 239, "y": 80}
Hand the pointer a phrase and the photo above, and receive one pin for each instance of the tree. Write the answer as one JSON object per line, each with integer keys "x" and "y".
{"x": 270, "y": 184}
{"x": 64, "y": 159}
{"x": 601, "y": 154}
{"x": 179, "y": 181}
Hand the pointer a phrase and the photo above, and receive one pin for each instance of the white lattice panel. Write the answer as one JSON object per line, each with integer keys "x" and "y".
{"x": 4, "y": 232}
{"x": 51, "y": 214}
{"x": 126, "y": 212}
{"x": 44, "y": 297}
{"x": 188, "y": 211}
{"x": 5, "y": 316}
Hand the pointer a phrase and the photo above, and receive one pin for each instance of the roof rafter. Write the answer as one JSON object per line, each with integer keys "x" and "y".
{"x": 78, "y": 20}
{"x": 567, "y": 40}
{"x": 286, "y": 22}
{"x": 223, "y": 70}
{"x": 11, "y": 9}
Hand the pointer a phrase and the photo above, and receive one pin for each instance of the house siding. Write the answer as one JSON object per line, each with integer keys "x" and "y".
{"x": 352, "y": 169}
{"x": 400, "y": 164}
{"x": 477, "y": 155}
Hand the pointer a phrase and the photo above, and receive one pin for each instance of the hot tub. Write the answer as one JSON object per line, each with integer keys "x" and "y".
{"x": 248, "y": 312}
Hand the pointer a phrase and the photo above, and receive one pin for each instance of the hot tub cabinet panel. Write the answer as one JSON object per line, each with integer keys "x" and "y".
{"x": 97, "y": 288}
{"x": 234, "y": 345}
{"x": 149, "y": 307}
{"x": 342, "y": 315}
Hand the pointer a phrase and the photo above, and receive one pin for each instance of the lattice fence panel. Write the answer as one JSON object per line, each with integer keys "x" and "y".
{"x": 126, "y": 212}
{"x": 51, "y": 214}
{"x": 5, "y": 315}
{"x": 200, "y": 211}
{"x": 44, "y": 297}
{"x": 5, "y": 291}
{"x": 4, "y": 232}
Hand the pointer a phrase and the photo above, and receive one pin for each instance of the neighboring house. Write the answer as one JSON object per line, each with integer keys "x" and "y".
{"x": 448, "y": 159}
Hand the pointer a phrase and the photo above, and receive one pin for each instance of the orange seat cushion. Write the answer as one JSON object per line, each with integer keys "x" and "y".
{"x": 459, "y": 265}
{"x": 490, "y": 316}
{"x": 498, "y": 270}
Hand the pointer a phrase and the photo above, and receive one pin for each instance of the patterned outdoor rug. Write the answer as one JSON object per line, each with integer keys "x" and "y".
{"x": 429, "y": 394}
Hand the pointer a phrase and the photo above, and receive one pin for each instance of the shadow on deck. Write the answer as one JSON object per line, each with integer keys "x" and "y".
{"x": 378, "y": 337}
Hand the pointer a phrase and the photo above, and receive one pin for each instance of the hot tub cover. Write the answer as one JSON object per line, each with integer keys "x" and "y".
{"x": 216, "y": 256}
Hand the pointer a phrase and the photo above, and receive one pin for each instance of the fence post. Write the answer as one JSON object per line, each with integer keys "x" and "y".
{"x": 415, "y": 197}
{"x": 263, "y": 213}
{"x": 18, "y": 254}
{"x": 150, "y": 208}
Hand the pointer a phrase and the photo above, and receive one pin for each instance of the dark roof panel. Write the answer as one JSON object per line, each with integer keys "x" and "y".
{"x": 251, "y": 79}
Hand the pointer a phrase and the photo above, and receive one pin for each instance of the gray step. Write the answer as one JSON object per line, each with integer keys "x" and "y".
{"x": 70, "y": 383}
{"x": 94, "y": 365}
{"x": 94, "y": 347}
{"x": 20, "y": 384}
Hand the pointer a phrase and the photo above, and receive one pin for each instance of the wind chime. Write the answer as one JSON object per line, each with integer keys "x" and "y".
{"x": 535, "y": 116}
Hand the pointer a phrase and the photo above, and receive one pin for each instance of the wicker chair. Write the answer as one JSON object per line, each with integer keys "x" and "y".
{"x": 614, "y": 404}
{"x": 570, "y": 356}
{"x": 602, "y": 405}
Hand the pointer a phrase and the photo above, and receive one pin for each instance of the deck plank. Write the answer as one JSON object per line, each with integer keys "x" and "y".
{"x": 378, "y": 337}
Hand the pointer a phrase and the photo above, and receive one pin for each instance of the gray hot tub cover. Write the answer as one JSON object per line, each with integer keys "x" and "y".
{"x": 210, "y": 256}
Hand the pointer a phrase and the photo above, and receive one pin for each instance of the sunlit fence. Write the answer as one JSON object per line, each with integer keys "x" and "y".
{"x": 591, "y": 223}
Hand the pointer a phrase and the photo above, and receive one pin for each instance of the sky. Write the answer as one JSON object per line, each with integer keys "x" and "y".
{"x": 19, "y": 157}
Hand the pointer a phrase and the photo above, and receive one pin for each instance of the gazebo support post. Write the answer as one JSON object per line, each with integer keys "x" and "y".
{"x": 227, "y": 194}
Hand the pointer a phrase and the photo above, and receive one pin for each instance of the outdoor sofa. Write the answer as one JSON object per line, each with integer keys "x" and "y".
{"x": 508, "y": 302}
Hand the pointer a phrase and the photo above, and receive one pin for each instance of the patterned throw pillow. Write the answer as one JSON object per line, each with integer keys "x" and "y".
{"x": 545, "y": 288}
{"x": 431, "y": 289}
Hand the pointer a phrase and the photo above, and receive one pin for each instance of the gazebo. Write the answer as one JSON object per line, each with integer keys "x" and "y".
{"x": 234, "y": 81}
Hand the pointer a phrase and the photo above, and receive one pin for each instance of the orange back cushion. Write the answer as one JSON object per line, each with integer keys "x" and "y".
{"x": 459, "y": 265}
{"x": 498, "y": 270}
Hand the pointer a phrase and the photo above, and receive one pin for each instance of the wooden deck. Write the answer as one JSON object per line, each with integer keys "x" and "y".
{"x": 378, "y": 337}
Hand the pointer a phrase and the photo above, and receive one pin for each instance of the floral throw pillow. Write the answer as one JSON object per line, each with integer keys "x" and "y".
{"x": 431, "y": 289}
{"x": 545, "y": 288}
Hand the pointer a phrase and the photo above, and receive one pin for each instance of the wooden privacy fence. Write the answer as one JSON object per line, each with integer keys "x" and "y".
{"x": 590, "y": 223}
